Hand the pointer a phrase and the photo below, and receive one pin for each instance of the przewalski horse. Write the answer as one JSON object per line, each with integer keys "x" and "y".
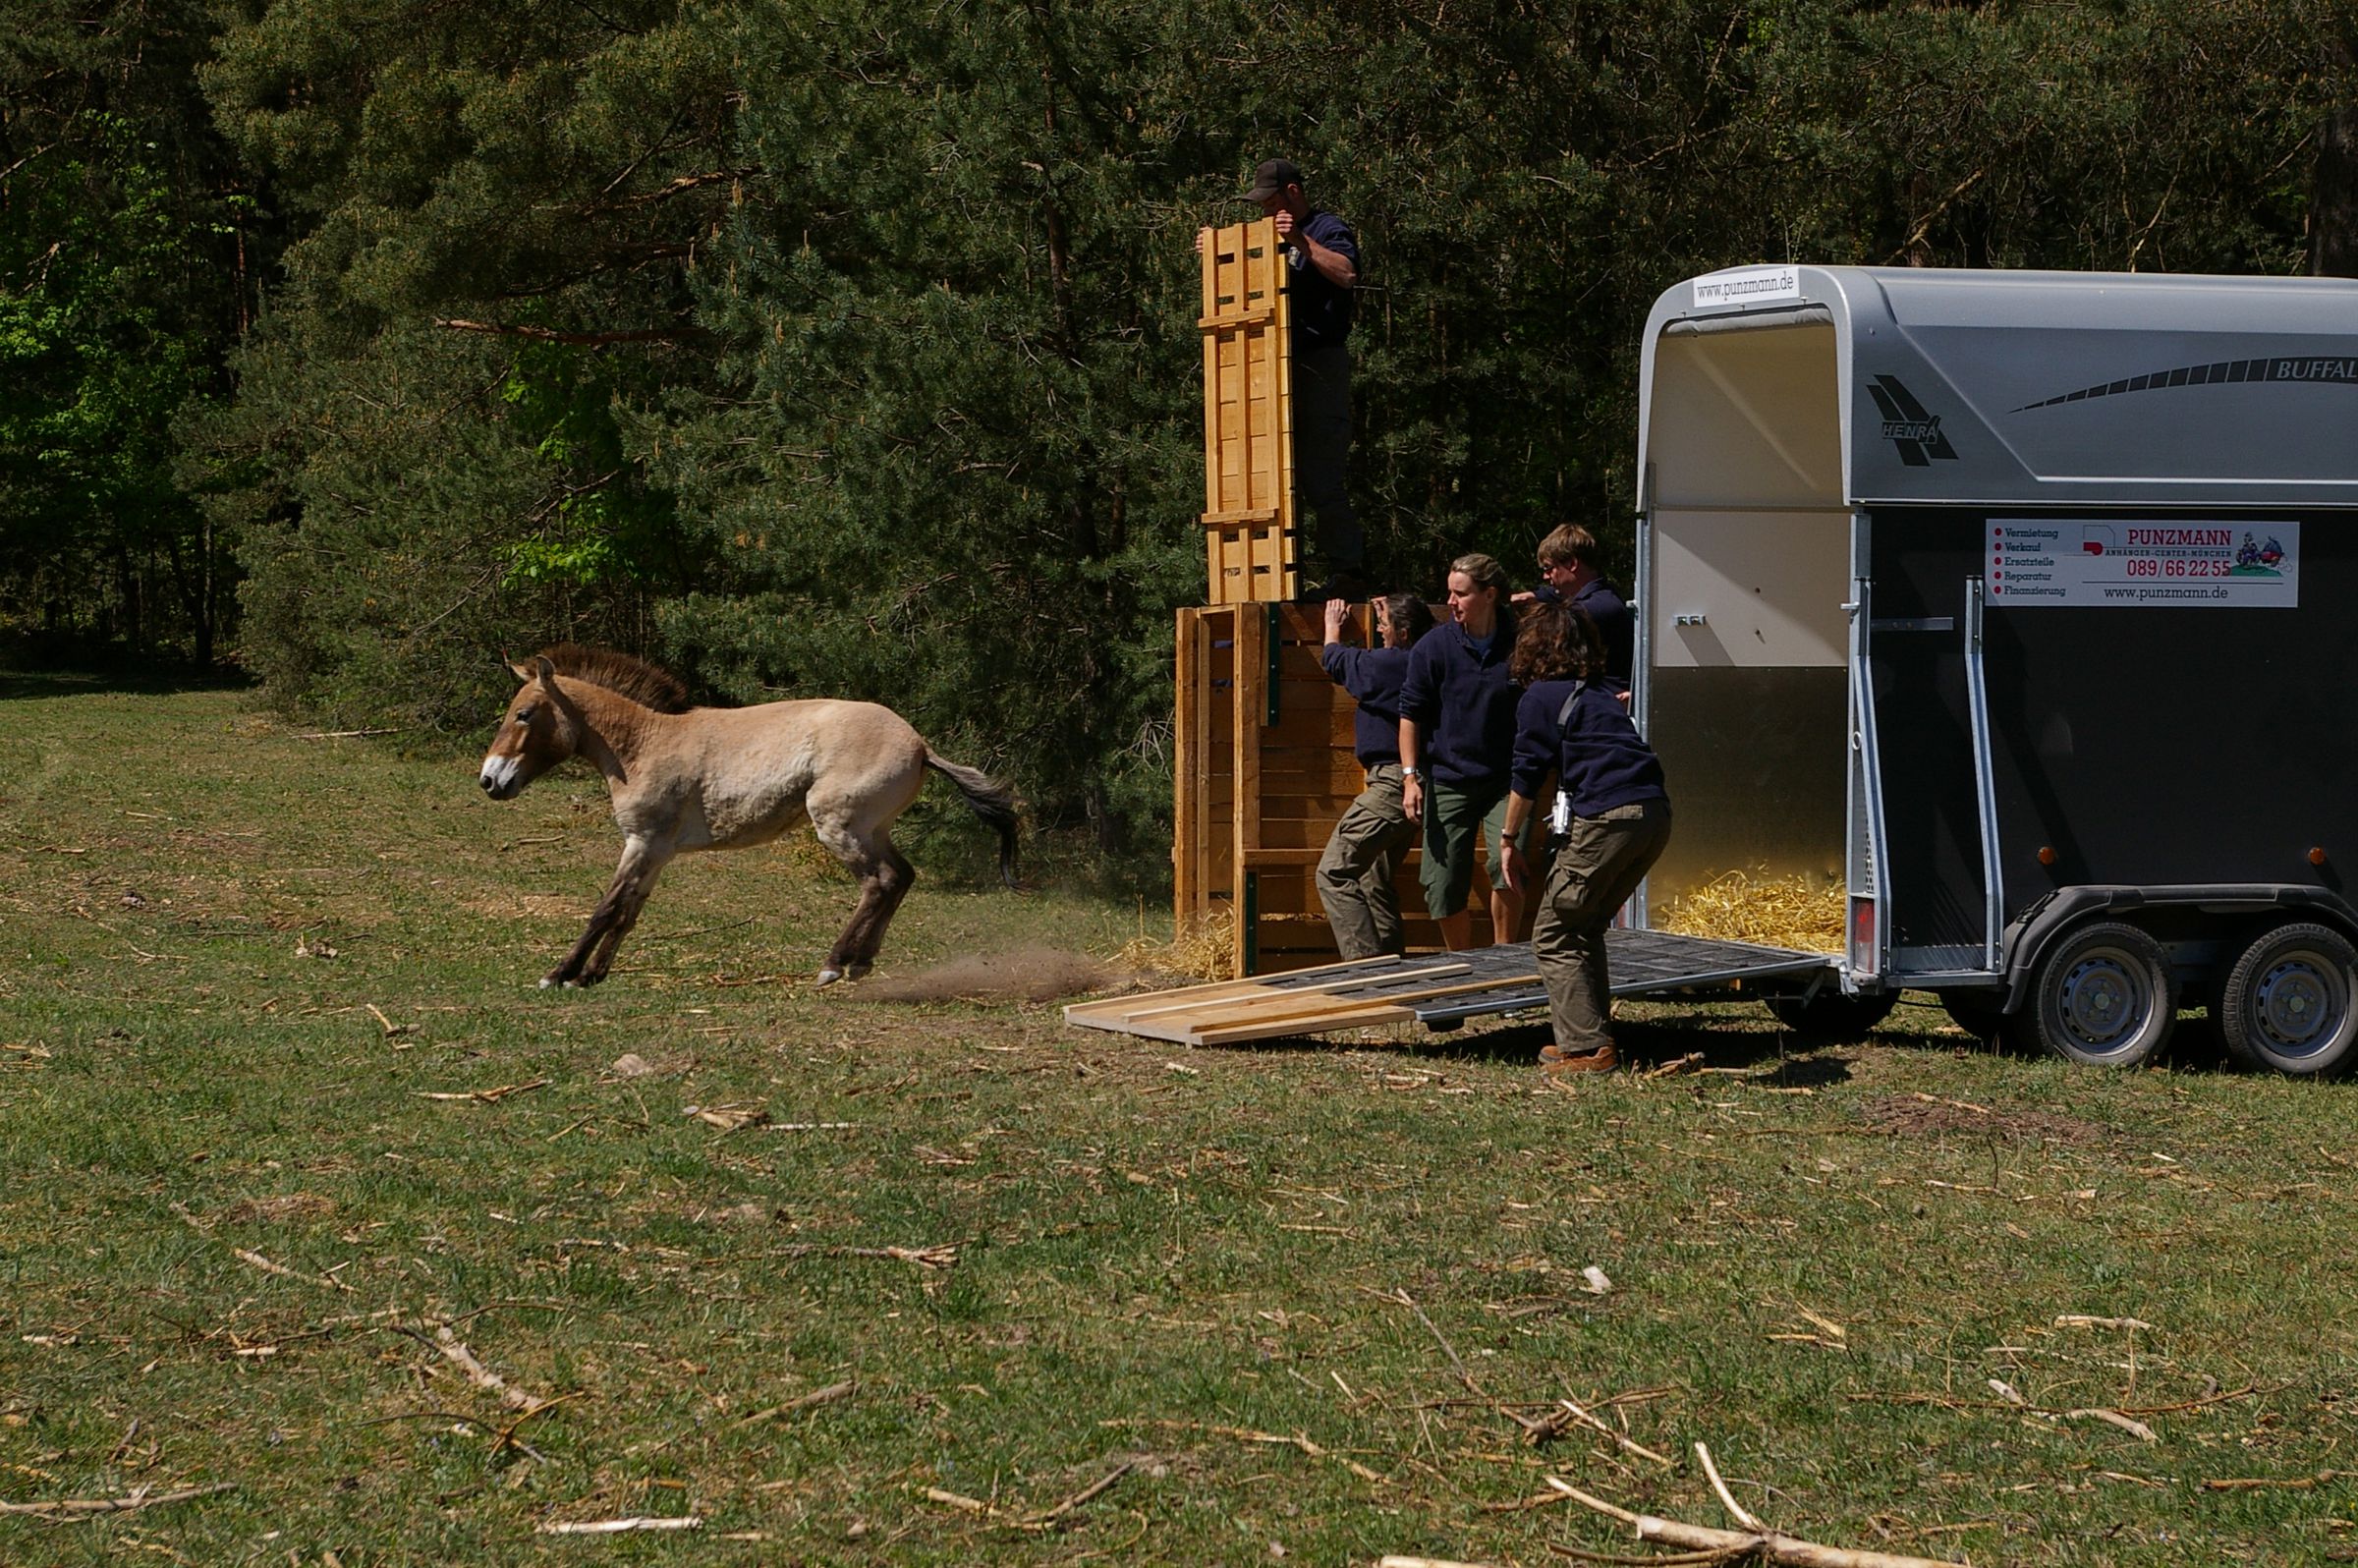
{"x": 704, "y": 778}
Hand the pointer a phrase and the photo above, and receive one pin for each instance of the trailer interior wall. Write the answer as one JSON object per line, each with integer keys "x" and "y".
{"x": 1748, "y": 568}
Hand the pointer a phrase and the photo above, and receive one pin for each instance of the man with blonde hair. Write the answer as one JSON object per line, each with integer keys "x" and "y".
{"x": 1572, "y": 570}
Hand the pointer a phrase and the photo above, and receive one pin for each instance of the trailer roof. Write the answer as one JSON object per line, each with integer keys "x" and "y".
{"x": 2059, "y": 388}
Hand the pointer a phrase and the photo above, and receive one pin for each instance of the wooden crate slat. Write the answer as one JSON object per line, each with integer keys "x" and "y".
{"x": 1250, "y": 543}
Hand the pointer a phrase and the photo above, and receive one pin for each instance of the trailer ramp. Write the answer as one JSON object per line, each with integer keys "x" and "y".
{"x": 1436, "y": 989}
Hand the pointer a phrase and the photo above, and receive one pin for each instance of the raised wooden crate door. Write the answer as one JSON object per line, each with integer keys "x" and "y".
{"x": 1248, "y": 418}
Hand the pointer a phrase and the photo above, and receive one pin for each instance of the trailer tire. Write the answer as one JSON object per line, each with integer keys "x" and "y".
{"x": 2287, "y": 1002}
{"x": 1831, "y": 1016}
{"x": 2103, "y": 997}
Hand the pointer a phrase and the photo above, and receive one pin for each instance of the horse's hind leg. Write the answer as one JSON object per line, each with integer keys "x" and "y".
{"x": 885, "y": 875}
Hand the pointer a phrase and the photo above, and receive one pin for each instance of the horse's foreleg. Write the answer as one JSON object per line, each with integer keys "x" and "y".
{"x": 643, "y": 859}
{"x": 625, "y": 920}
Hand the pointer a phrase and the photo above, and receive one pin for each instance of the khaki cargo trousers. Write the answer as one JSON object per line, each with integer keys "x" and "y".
{"x": 1355, "y": 874}
{"x": 1600, "y": 862}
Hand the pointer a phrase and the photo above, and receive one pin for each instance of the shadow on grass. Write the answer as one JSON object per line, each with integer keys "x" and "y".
{"x": 129, "y": 680}
{"x": 1732, "y": 1038}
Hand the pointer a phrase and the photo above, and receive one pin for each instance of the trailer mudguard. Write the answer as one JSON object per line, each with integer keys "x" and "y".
{"x": 2046, "y": 922}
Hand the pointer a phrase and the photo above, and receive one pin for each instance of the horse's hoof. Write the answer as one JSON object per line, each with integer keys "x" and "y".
{"x": 829, "y": 976}
{"x": 549, "y": 982}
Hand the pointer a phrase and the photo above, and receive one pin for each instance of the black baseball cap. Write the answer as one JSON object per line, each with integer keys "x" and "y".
{"x": 1272, "y": 178}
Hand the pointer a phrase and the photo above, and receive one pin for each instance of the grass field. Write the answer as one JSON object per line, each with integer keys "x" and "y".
{"x": 858, "y": 1275}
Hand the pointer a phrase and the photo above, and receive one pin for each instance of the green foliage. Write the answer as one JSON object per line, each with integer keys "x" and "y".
{"x": 820, "y": 348}
{"x": 488, "y": 302}
{"x": 121, "y": 242}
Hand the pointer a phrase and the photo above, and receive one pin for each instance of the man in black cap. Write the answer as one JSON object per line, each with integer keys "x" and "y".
{"x": 1322, "y": 268}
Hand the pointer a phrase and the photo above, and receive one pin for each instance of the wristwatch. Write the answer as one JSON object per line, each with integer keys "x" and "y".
{"x": 1411, "y": 772}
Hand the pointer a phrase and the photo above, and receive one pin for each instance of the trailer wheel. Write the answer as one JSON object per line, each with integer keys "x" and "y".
{"x": 2287, "y": 1005}
{"x": 2105, "y": 997}
{"x": 1833, "y": 1017}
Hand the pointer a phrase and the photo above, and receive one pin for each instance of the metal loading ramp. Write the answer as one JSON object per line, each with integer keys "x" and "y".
{"x": 1436, "y": 990}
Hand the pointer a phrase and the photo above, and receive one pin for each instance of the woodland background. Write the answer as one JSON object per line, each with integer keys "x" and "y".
{"x": 848, "y": 346}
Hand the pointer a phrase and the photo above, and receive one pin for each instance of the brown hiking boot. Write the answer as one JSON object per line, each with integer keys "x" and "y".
{"x": 1556, "y": 1062}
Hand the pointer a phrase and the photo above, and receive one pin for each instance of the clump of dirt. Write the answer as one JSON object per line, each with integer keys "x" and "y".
{"x": 1924, "y": 1116}
{"x": 1027, "y": 975}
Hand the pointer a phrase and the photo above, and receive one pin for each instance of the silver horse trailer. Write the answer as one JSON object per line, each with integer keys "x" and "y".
{"x": 2025, "y": 607}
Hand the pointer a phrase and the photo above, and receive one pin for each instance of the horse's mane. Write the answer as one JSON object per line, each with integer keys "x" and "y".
{"x": 620, "y": 673}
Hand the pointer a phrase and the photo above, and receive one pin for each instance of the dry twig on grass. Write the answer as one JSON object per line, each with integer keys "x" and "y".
{"x": 818, "y": 1396}
{"x": 615, "y": 1526}
{"x": 2266, "y": 1483}
{"x": 1247, "y": 1434}
{"x": 730, "y": 1118}
{"x": 2128, "y": 1424}
{"x": 1531, "y": 1428}
{"x": 88, "y": 1507}
{"x": 1049, "y": 1516}
{"x": 1568, "y": 1414}
{"x": 1045, "y": 1518}
{"x": 255, "y": 1259}
{"x": 1705, "y": 1544}
{"x": 941, "y": 1256}
{"x": 490, "y": 1097}
{"x": 482, "y": 1376}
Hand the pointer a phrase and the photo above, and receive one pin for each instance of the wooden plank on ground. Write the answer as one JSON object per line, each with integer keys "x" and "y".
{"x": 1286, "y": 1006}
{"x": 1085, "y": 1012}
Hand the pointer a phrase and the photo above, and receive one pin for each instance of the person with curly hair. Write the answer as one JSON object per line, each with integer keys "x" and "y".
{"x": 1612, "y": 821}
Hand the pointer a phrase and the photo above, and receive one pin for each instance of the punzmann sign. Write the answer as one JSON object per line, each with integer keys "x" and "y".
{"x": 2028, "y": 562}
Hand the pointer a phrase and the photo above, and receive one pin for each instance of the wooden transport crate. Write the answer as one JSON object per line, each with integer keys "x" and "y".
{"x": 1263, "y": 770}
{"x": 1249, "y": 534}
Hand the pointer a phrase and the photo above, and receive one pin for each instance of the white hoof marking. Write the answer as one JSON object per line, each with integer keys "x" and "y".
{"x": 829, "y": 976}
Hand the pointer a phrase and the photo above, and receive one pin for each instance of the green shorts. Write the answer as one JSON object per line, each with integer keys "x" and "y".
{"x": 1453, "y": 817}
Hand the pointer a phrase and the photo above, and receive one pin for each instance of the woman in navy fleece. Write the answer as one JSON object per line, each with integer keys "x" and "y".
{"x": 1457, "y": 725}
{"x": 1573, "y": 723}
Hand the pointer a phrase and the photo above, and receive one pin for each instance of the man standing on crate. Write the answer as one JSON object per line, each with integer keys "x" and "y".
{"x": 1355, "y": 874}
{"x": 1322, "y": 259}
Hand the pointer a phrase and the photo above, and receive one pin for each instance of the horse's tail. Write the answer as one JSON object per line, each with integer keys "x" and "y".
{"x": 990, "y": 800}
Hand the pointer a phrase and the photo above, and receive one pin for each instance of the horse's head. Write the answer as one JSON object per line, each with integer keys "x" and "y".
{"x": 541, "y": 729}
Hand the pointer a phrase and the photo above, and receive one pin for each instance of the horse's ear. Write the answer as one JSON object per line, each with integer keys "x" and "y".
{"x": 520, "y": 671}
{"x": 544, "y": 669}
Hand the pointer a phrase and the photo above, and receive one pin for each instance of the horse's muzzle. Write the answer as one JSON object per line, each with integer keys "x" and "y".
{"x": 501, "y": 777}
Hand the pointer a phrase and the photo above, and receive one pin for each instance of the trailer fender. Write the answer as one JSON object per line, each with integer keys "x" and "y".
{"x": 2037, "y": 931}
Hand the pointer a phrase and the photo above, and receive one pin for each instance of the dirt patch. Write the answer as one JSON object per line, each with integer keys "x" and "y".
{"x": 1027, "y": 975}
{"x": 1924, "y": 1116}
{"x": 538, "y": 906}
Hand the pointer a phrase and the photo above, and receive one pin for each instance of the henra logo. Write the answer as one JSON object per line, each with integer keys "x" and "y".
{"x": 1913, "y": 429}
